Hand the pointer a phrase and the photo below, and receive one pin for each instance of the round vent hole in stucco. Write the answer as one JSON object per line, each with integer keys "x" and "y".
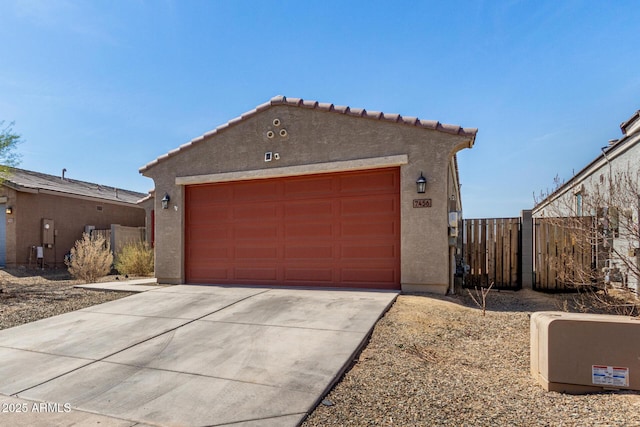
{"x": 283, "y": 132}
{"x": 270, "y": 134}
{"x": 276, "y": 122}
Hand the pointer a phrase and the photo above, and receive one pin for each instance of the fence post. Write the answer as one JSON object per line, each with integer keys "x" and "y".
{"x": 526, "y": 258}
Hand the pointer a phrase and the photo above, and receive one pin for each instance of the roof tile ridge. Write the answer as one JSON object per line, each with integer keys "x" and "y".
{"x": 468, "y": 131}
{"x": 428, "y": 124}
{"x": 324, "y": 106}
{"x": 358, "y": 112}
{"x": 308, "y": 103}
{"x": 391, "y": 117}
{"x": 453, "y": 129}
{"x": 295, "y": 102}
{"x": 409, "y": 120}
{"x": 372, "y": 114}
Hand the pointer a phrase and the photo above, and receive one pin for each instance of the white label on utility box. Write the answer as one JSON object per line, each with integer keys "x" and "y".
{"x": 610, "y": 375}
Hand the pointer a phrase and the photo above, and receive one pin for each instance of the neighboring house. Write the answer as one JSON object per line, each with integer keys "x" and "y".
{"x": 52, "y": 212}
{"x": 607, "y": 190}
{"x": 297, "y": 192}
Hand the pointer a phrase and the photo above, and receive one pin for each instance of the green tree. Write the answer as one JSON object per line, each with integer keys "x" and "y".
{"x": 8, "y": 143}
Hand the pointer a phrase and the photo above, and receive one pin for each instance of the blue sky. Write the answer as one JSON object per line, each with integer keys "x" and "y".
{"x": 103, "y": 87}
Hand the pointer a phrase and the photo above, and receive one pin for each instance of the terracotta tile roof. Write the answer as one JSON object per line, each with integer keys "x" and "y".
{"x": 322, "y": 106}
{"x": 32, "y": 182}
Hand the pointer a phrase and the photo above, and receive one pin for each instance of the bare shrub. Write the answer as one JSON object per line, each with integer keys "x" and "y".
{"x": 90, "y": 259}
{"x": 135, "y": 259}
{"x": 481, "y": 297}
{"x": 614, "y": 301}
{"x": 593, "y": 225}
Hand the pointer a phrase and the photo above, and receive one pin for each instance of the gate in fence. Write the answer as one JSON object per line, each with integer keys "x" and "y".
{"x": 492, "y": 251}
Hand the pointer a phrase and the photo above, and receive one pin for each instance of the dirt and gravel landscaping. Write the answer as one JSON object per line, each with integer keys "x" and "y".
{"x": 431, "y": 361}
{"x": 436, "y": 361}
{"x": 30, "y": 295}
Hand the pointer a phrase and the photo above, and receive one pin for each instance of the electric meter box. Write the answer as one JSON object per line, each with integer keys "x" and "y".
{"x": 47, "y": 233}
{"x": 585, "y": 353}
{"x": 454, "y": 217}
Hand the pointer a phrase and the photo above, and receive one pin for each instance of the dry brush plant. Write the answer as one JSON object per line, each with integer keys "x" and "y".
{"x": 90, "y": 258}
{"x": 594, "y": 230}
{"x": 135, "y": 259}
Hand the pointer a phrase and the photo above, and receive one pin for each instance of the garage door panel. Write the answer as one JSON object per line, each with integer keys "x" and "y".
{"x": 368, "y": 229}
{"x": 339, "y": 229}
{"x": 313, "y": 252}
{"x": 253, "y": 191}
{"x": 212, "y": 274}
{"x": 367, "y": 207}
{"x": 370, "y": 252}
{"x": 256, "y": 231}
{"x": 256, "y": 253}
{"x": 210, "y": 196}
{"x": 256, "y": 273}
{"x": 309, "y": 186}
{"x": 373, "y": 181}
{"x": 308, "y": 231}
{"x": 208, "y": 232}
{"x": 255, "y": 212}
{"x": 309, "y": 275}
{"x": 209, "y": 214}
{"x": 208, "y": 253}
{"x": 309, "y": 210}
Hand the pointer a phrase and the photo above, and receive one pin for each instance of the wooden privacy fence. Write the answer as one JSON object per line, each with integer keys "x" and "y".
{"x": 119, "y": 236}
{"x": 563, "y": 253}
{"x": 491, "y": 250}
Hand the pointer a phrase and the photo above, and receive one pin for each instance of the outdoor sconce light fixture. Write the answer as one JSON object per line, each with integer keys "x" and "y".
{"x": 9, "y": 210}
{"x": 421, "y": 183}
{"x": 165, "y": 201}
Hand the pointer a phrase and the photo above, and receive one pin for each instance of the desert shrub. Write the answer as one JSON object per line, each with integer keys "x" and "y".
{"x": 90, "y": 258}
{"x": 135, "y": 259}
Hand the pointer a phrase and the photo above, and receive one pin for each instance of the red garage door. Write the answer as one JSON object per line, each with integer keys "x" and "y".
{"x": 339, "y": 229}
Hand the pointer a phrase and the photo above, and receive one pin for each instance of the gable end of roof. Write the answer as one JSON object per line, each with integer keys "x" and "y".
{"x": 321, "y": 106}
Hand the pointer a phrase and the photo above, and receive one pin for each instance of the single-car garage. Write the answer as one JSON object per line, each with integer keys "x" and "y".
{"x": 340, "y": 229}
{"x": 297, "y": 192}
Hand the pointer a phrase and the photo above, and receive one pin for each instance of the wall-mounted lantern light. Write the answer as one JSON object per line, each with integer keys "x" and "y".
{"x": 421, "y": 183}
{"x": 9, "y": 210}
{"x": 165, "y": 201}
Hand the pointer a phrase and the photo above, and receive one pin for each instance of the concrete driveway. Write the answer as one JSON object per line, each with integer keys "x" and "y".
{"x": 186, "y": 356}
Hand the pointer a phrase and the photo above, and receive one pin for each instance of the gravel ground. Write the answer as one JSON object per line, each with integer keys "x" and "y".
{"x": 431, "y": 361}
{"x": 29, "y": 295}
{"x": 436, "y": 361}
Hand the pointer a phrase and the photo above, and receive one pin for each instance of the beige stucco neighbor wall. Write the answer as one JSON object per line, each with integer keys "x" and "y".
{"x": 122, "y": 236}
{"x": 70, "y": 215}
{"x": 595, "y": 179}
{"x": 324, "y": 140}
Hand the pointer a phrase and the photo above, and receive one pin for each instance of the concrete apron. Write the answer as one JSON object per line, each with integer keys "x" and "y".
{"x": 186, "y": 355}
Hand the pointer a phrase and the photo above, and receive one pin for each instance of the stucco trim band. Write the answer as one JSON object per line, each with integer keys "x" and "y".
{"x": 310, "y": 169}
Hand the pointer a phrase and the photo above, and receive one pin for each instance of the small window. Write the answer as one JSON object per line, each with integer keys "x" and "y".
{"x": 578, "y": 197}
{"x": 99, "y": 208}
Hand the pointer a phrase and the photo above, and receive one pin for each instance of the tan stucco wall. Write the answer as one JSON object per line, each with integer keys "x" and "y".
{"x": 315, "y": 137}
{"x": 148, "y": 206}
{"x": 70, "y": 215}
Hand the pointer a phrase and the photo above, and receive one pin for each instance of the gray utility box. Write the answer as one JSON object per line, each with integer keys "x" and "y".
{"x": 585, "y": 353}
